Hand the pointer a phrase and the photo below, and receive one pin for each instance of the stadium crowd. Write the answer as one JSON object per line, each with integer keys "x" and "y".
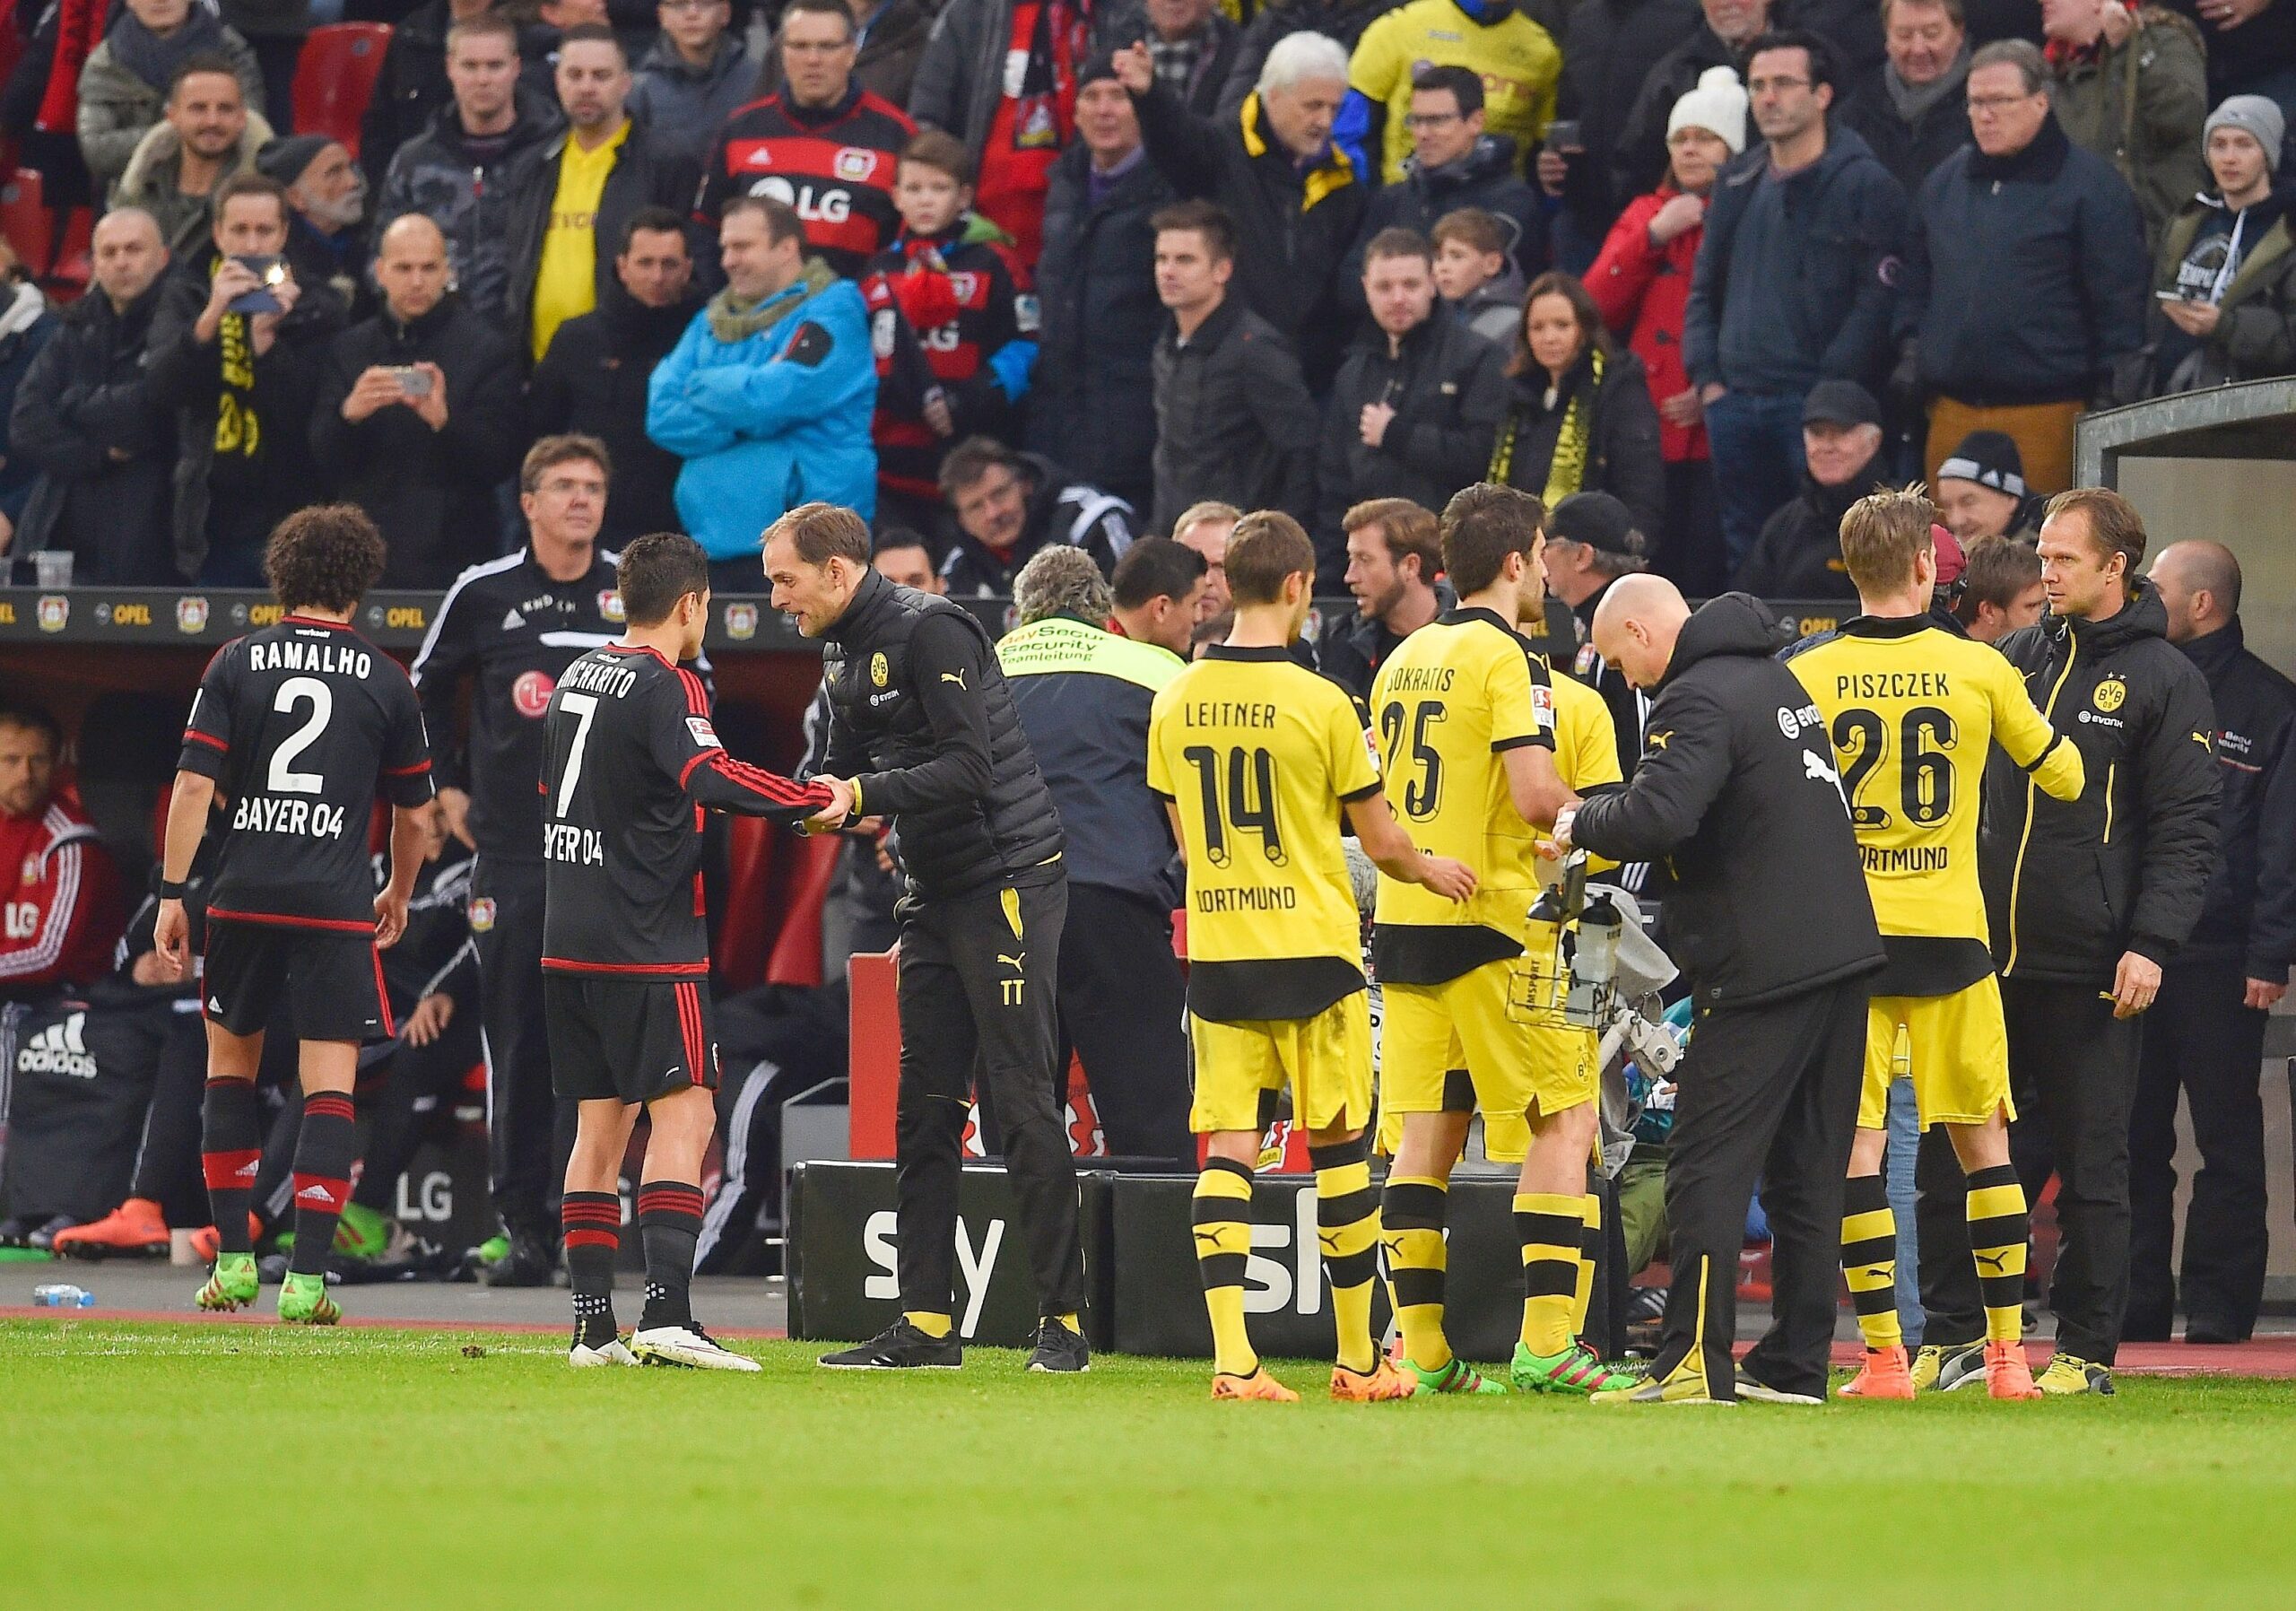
{"x": 1012, "y": 276}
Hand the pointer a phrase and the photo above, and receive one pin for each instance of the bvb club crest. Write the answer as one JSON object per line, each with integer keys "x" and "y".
{"x": 880, "y": 672}
{"x": 2110, "y": 695}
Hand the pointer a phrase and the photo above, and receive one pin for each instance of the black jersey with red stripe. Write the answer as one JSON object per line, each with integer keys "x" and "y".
{"x": 835, "y": 166}
{"x": 629, "y": 760}
{"x": 302, "y": 726}
{"x": 944, "y": 314}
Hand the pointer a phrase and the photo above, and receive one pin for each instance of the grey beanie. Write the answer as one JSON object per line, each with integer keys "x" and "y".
{"x": 2255, "y": 116}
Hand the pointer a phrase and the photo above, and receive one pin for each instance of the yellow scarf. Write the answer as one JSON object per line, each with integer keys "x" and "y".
{"x": 1568, "y": 468}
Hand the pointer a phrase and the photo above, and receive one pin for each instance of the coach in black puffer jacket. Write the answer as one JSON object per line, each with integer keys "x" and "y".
{"x": 1091, "y": 407}
{"x": 2125, "y": 866}
{"x": 915, "y": 691}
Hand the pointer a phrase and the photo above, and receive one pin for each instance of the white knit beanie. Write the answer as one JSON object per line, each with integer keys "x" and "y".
{"x": 1719, "y": 104}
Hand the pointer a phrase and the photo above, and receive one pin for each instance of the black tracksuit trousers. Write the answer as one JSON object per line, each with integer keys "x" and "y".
{"x": 2073, "y": 1075}
{"x": 1123, "y": 1010}
{"x": 1768, "y": 1091}
{"x": 979, "y": 984}
{"x": 2200, "y": 1038}
{"x": 529, "y": 1132}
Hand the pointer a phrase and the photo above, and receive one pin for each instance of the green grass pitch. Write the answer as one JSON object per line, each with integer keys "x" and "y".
{"x": 255, "y": 1467}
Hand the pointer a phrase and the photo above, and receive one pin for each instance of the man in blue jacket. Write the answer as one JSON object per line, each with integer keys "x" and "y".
{"x": 1793, "y": 282}
{"x": 767, "y": 396}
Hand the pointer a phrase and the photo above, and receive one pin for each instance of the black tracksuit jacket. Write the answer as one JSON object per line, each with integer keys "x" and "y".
{"x": 2071, "y": 885}
{"x": 2249, "y": 911}
{"x": 1738, "y": 793}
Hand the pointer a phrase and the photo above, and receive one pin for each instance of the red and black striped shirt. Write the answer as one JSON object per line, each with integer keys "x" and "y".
{"x": 835, "y": 166}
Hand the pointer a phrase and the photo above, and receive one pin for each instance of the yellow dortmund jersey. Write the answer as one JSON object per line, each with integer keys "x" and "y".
{"x": 1913, "y": 710}
{"x": 1257, "y": 753}
{"x": 1516, "y": 58}
{"x": 566, "y": 280}
{"x": 1448, "y": 704}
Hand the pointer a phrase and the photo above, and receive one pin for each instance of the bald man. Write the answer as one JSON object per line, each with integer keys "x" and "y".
{"x": 1739, "y": 788}
{"x": 2204, "y": 1035}
{"x": 85, "y": 418}
{"x": 419, "y": 413}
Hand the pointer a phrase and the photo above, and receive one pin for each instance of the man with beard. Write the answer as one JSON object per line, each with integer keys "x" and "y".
{"x": 328, "y": 194}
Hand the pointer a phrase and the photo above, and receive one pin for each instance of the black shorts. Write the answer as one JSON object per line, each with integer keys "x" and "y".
{"x": 628, "y": 1040}
{"x": 333, "y": 981}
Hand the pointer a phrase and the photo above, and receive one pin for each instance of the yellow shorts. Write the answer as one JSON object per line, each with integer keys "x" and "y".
{"x": 1515, "y": 1068}
{"x": 1564, "y": 1075}
{"x": 1955, "y": 1047}
{"x": 1325, "y": 1059}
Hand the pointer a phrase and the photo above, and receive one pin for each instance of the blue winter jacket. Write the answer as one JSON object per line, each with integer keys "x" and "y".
{"x": 773, "y": 420}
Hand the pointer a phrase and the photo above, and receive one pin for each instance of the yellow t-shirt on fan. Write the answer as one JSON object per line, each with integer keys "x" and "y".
{"x": 566, "y": 283}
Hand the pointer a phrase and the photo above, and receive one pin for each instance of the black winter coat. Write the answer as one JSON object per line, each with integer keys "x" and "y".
{"x": 1909, "y": 151}
{"x": 1448, "y": 388}
{"x": 593, "y": 380}
{"x": 474, "y": 200}
{"x": 1485, "y": 177}
{"x": 1624, "y": 456}
{"x": 1798, "y": 554}
{"x": 2069, "y": 887}
{"x": 1292, "y": 230}
{"x": 1638, "y": 158}
{"x": 1092, "y": 404}
{"x": 922, "y": 719}
{"x": 188, "y": 376}
{"x": 431, "y": 492}
{"x": 2035, "y": 290}
{"x": 1234, "y": 420}
{"x": 1060, "y": 508}
{"x": 1738, "y": 794}
{"x": 85, "y": 395}
{"x": 645, "y": 174}
{"x": 2250, "y": 912}
{"x": 1609, "y": 50}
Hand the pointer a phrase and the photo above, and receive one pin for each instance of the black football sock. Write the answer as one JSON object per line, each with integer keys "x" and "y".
{"x": 230, "y": 1150}
{"x": 325, "y": 1151}
{"x": 669, "y": 1224}
{"x": 591, "y": 1222}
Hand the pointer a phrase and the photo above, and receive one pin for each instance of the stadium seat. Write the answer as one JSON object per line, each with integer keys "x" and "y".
{"x": 26, "y": 221}
{"x": 335, "y": 76}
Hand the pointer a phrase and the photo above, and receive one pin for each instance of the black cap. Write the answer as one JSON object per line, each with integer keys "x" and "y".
{"x": 1988, "y": 458}
{"x": 285, "y": 159}
{"x": 1599, "y": 520}
{"x": 1841, "y": 403}
{"x": 1101, "y": 66}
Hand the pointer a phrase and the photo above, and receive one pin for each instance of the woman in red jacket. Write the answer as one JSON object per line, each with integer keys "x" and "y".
{"x": 1642, "y": 283}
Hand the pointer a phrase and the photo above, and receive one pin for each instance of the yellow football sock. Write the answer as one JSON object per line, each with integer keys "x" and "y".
{"x": 1869, "y": 1259}
{"x": 931, "y": 1325}
{"x": 1347, "y": 1230}
{"x": 1998, "y": 1227}
{"x": 1590, "y": 1247}
{"x": 1224, "y": 1241}
{"x": 1410, "y": 1215}
{"x": 1552, "y": 1229}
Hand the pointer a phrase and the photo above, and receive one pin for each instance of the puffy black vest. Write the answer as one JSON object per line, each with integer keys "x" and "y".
{"x": 950, "y": 849}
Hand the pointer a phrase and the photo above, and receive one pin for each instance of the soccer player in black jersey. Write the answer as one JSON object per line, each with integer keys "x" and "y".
{"x": 629, "y": 761}
{"x": 296, "y": 729}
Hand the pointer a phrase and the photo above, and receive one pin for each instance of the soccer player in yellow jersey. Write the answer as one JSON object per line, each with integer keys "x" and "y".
{"x": 1464, "y": 716}
{"x": 1913, "y": 709}
{"x": 1257, "y": 758}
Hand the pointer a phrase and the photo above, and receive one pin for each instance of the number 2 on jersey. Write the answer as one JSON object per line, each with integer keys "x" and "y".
{"x": 293, "y": 691}
{"x": 1423, "y": 793}
{"x": 1250, "y": 772}
{"x": 585, "y": 706}
{"x": 1924, "y": 772}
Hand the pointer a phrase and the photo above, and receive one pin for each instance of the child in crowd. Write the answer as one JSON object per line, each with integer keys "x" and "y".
{"x": 954, "y": 336}
{"x": 1476, "y": 277}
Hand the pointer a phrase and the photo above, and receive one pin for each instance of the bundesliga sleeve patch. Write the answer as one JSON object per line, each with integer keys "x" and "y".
{"x": 1371, "y": 748}
{"x": 703, "y": 733}
{"x": 1543, "y": 706}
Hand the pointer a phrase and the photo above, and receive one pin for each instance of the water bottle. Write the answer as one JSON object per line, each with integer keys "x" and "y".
{"x": 59, "y": 1294}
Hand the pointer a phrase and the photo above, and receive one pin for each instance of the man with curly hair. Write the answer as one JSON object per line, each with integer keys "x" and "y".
{"x": 298, "y": 728}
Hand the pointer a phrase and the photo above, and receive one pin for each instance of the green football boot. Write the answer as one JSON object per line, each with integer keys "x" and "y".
{"x": 1575, "y": 1370}
{"x": 1457, "y": 1377}
{"x": 231, "y": 1284}
{"x": 303, "y": 1301}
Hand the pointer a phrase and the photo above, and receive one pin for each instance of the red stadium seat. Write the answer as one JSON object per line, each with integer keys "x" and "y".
{"x": 335, "y": 77}
{"x": 26, "y": 221}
